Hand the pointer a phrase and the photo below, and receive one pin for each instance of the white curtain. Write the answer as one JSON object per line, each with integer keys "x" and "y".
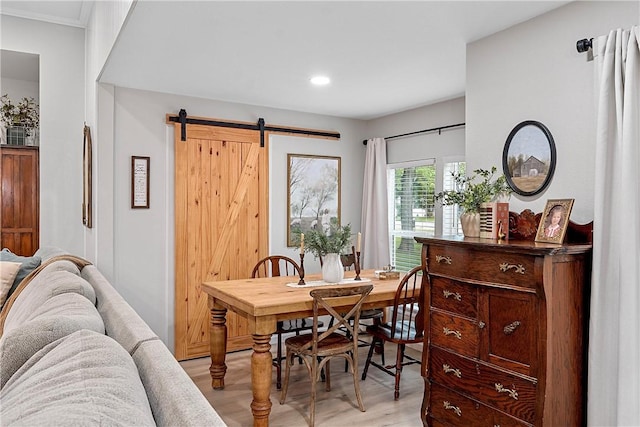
{"x": 614, "y": 336}
{"x": 375, "y": 223}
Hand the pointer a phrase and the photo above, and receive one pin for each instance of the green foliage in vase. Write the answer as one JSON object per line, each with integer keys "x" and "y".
{"x": 24, "y": 113}
{"x": 320, "y": 243}
{"x": 471, "y": 192}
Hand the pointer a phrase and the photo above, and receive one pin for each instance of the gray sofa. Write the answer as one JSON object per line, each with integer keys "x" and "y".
{"x": 73, "y": 352}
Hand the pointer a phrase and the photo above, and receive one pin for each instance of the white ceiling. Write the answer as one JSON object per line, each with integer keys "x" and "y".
{"x": 383, "y": 56}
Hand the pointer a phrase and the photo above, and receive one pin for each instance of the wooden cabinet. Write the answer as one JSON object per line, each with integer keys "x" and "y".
{"x": 19, "y": 193}
{"x": 506, "y": 332}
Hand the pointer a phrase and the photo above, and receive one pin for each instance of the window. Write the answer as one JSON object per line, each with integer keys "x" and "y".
{"x": 451, "y": 214}
{"x": 411, "y": 187}
{"x": 412, "y": 210}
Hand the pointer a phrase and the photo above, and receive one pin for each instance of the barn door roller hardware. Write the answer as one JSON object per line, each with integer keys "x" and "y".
{"x": 260, "y": 126}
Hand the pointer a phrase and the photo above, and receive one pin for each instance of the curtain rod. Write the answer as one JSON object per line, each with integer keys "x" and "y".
{"x": 584, "y": 45}
{"x": 439, "y": 129}
{"x": 260, "y": 126}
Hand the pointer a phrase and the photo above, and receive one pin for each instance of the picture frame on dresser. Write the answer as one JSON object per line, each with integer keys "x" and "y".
{"x": 554, "y": 221}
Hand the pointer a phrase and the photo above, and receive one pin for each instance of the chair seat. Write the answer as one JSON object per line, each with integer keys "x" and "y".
{"x": 405, "y": 332}
{"x": 334, "y": 343}
{"x": 371, "y": 314}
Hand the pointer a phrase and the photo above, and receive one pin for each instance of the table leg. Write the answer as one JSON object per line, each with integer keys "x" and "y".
{"x": 218, "y": 346}
{"x": 261, "y": 379}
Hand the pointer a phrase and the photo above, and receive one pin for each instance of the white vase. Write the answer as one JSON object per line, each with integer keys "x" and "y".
{"x": 470, "y": 224}
{"x": 332, "y": 269}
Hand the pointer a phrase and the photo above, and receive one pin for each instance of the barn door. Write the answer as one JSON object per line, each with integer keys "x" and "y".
{"x": 221, "y": 223}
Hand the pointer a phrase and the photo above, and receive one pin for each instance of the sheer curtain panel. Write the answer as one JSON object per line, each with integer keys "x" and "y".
{"x": 614, "y": 335}
{"x": 375, "y": 222}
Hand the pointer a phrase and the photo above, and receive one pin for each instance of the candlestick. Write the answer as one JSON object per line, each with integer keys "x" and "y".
{"x": 356, "y": 263}
{"x": 359, "y": 241}
{"x": 301, "y": 281}
{"x": 301, "y": 243}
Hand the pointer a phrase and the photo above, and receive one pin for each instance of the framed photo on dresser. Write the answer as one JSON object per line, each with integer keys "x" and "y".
{"x": 554, "y": 221}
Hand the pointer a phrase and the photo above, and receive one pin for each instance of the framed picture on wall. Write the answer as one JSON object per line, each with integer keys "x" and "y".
{"x": 313, "y": 194}
{"x": 140, "y": 182}
{"x": 529, "y": 158}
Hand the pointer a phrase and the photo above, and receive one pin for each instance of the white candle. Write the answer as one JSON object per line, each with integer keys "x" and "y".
{"x": 358, "y": 242}
{"x": 301, "y": 243}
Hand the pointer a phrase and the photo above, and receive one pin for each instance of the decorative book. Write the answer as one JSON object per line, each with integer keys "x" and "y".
{"x": 492, "y": 215}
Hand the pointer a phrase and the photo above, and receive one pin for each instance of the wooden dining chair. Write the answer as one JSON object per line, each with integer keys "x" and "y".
{"x": 317, "y": 349}
{"x": 273, "y": 266}
{"x": 406, "y": 327}
{"x": 375, "y": 314}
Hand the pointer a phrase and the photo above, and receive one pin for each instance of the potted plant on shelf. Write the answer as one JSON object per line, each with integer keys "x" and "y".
{"x": 470, "y": 193}
{"x": 328, "y": 245}
{"x": 21, "y": 120}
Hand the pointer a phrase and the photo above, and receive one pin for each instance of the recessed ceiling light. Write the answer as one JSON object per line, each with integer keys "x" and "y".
{"x": 320, "y": 80}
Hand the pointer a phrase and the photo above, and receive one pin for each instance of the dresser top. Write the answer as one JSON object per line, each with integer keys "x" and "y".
{"x": 515, "y": 246}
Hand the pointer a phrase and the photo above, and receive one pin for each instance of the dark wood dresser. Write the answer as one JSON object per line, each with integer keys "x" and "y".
{"x": 506, "y": 335}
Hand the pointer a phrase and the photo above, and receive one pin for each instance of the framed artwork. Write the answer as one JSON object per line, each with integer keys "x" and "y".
{"x": 87, "y": 179}
{"x": 554, "y": 221}
{"x": 313, "y": 194}
{"x": 140, "y": 182}
{"x": 529, "y": 158}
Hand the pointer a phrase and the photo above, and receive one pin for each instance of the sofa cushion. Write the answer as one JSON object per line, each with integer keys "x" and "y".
{"x": 27, "y": 265}
{"x": 121, "y": 322}
{"x": 55, "y": 279}
{"x": 57, "y": 317}
{"x": 8, "y": 272}
{"x": 83, "y": 379}
{"x": 187, "y": 406}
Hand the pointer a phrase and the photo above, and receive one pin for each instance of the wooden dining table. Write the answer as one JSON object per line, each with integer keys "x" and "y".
{"x": 264, "y": 302}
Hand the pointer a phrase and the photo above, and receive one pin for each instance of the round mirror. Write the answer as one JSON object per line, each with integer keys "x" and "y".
{"x": 529, "y": 158}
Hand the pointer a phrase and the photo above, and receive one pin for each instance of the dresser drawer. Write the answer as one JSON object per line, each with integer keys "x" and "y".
{"x": 488, "y": 266}
{"x": 454, "y": 296}
{"x": 447, "y": 260}
{"x": 452, "y": 408}
{"x": 509, "y": 393}
{"x": 454, "y": 332}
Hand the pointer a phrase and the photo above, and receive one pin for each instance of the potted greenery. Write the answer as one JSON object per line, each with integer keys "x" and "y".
{"x": 21, "y": 120}
{"x": 470, "y": 193}
{"x": 328, "y": 245}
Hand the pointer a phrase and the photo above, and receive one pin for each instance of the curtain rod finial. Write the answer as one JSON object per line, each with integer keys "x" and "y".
{"x": 584, "y": 45}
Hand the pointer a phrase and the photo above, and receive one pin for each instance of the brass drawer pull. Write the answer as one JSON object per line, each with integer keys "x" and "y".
{"x": 455, "y": 409}
{"x": 445, "y": 259}
{"x": 455, "y": 295}
{"x": 508, "y": 330}
{"x": 505, "y": 266}
{"x": 449, "y": 370}
{"x": 448, "y": 331}
{"x": 500, "y": 389}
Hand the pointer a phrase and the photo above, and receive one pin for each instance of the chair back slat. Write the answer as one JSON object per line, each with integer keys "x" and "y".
{"x": 275, "y": 265}
{"x": 407, "y": 308}
{"x": 325, "y": 299}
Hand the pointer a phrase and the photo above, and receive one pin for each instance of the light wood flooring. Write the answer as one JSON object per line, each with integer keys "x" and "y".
{"x": 337, "y": 407}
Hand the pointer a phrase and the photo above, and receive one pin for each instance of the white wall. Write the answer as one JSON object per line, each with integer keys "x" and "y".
{"x": 433, "y": 145}
{"x": 103, "y": 27}
{"x": 533, "y": 72}
{"x": 143, "y": 239}
{"x": 61, "y": 119}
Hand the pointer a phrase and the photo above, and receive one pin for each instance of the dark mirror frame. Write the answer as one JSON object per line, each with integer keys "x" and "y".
{"x": 539, "y": 183}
